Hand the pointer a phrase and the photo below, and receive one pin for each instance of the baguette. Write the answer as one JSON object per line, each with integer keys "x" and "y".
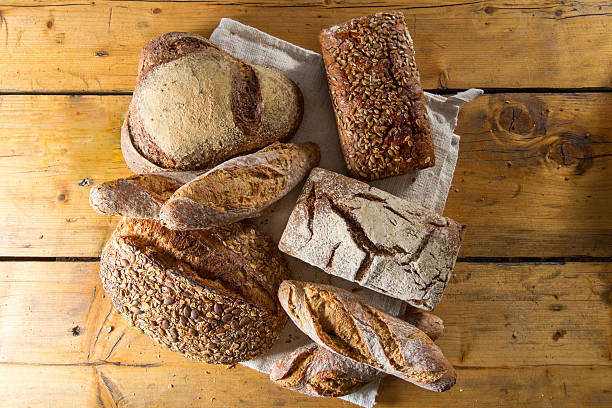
{"x": 377, "y": 96}
{"x": 342, "y": 323}
{"x": 194, "y": 106}
{"x": 314, "y": 370}
{"x": 140, "y": 196}
{"x": 368, "y": 236}
{"x": 209, "y": 295}
{"x": 240, "y": 188}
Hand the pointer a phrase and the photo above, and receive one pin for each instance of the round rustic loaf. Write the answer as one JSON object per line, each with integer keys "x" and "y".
{"x": 195, "y": 106}
{"x": 209, "y": 295}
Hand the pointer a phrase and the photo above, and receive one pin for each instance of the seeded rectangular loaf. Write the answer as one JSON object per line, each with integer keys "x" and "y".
{"x": 314, "y": 370}
{"x": 377, "y": 96}
{"x": 341, "y": 322}
{"x": 368, "y": 236}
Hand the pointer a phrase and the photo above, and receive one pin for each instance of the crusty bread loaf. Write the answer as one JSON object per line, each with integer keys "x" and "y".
{"x": 377, "y": 96}
{"x": 316, "y": 371}
{"x": 138, "y": 196}
{"x": 371, "y": 237}
{"x": 344, "y": 324}
{"x": 239, "y": 188}
{"x": 195, "y": 105}
{"x": 209, "y": 295}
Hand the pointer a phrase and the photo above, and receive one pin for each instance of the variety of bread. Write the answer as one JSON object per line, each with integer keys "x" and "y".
{"x": 183, "y": 266}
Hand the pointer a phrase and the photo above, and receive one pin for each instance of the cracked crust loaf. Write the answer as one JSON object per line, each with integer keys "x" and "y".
{"x": 313, "y": 370}
{"x": 209, "y": 295}
{"x": 195, "y": 106}
{"x": 344, "y": 324}
{"x": 368, "y": 236}
{"x": 242, "y": 187}
{"x": 377, "y": 96}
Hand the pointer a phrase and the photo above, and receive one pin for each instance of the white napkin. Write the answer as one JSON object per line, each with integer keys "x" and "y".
{"x": 428, "y": 188}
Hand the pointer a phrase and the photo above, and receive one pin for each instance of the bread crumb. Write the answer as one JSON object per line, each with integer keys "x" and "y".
{"x": 109, "y": 329}
{"x": 460, "y": 389}
{"x": 170, "y": 385}
{"x": 509, "y": 163}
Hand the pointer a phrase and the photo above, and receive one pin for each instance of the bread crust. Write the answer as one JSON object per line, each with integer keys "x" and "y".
{"x": 207, "y": 295}
{"x": 140, "y": 196}
{"x": 346, "y": 325}
{"x": 239, "y": 188}
{"x": 377, "y": 96}
{"x": 313, "y": 370}
{"x": 256, "y": 118}
{"x": 368, "y": 236}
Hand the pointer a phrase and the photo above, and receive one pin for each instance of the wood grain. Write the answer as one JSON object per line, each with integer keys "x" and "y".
{"x": 532, "y": 177}
{"x": 93, "y": 46}
{"x": 528, "y": 335}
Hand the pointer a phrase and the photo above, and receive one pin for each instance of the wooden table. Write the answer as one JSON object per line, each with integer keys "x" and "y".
{"x": 528, "y": 310}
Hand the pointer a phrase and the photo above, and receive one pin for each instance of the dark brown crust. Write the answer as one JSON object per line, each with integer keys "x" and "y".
{"x": 157, "y": 279}
{"x": 372, "y": 78}
{"x": 246, "y": 102}
{"x": 169, "y": 47}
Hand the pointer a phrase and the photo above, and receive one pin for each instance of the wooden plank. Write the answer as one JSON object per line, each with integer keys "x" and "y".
{"x": 93, "y": 46}
{"x": 523, "y": 335}
{"x": 130, "y": 387}
{"x": 495, "y": 316}
{"x": 532, "y": 177}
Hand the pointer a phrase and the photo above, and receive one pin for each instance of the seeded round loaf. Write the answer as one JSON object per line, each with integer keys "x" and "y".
{"x": 209, "y": 295}
{"x": 194, "y": 106}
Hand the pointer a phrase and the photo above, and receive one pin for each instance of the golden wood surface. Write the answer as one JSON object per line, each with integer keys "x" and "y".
{"x": 532, "y": 177}
{"x": 528, "y": 335}
{"x": 94, "y": 45}
{"x": 533, "y": 180}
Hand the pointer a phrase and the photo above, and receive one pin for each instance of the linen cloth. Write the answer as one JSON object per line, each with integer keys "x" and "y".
{"x": 428, "y": 188}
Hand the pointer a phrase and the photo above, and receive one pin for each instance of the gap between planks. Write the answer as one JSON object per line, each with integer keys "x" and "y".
{"x": 440, "y": 91}
{"x": 523, "y": 260}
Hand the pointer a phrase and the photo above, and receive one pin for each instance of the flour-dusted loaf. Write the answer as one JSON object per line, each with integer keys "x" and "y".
{"x": 242, "y": 187}
{"x": 209, "y": 295}
{"x": 318, "y": 372}
{"x": 341, "y": 322}
{"x": 368, "y": 236}
{"x": 139, "y": 196}
{"x": 377, "y": 96}
{"x": 195, "y": 106}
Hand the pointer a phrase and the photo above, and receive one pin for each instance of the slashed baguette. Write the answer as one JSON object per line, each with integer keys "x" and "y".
{"x": 240, "y": 188}
{"x": 344, "y": 324}
{"x": 314, "y": 370}
{"x": 139, "y": 196}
